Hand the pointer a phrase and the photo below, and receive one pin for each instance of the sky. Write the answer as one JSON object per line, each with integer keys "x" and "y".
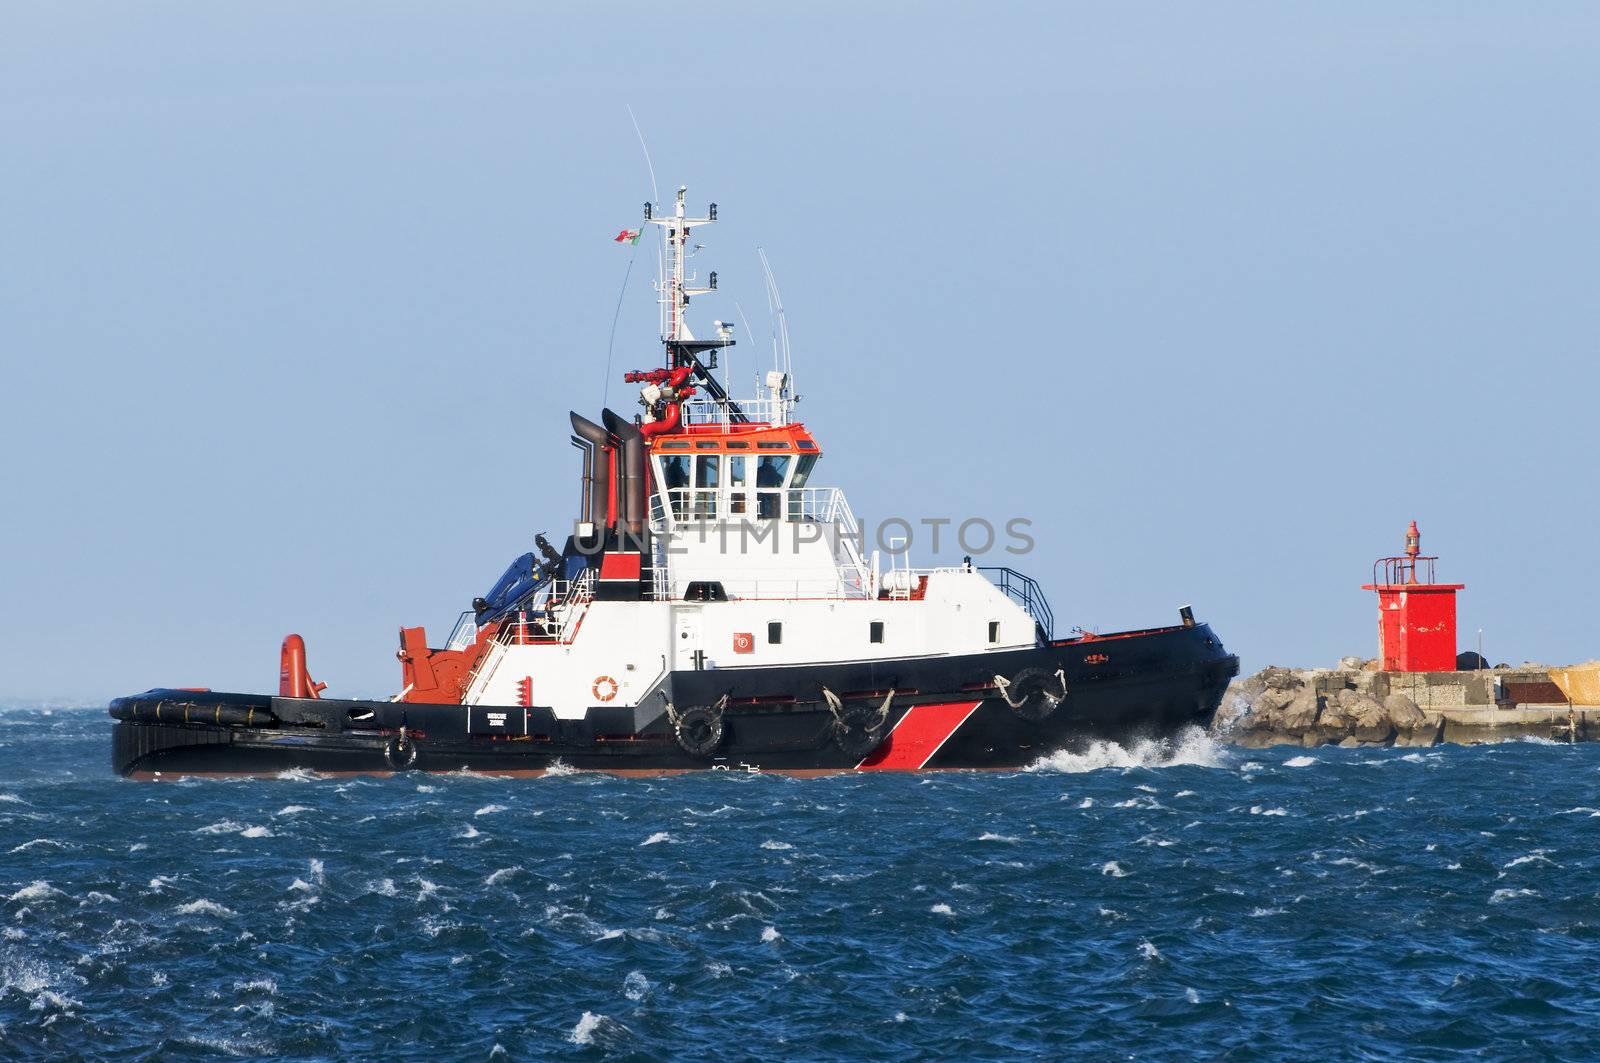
{"x": 295, "y": 299}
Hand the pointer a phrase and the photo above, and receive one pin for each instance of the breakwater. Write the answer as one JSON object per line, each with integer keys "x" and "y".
{"x": 1359, "y": 705}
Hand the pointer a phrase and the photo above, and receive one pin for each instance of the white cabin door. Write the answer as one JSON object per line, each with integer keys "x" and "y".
{"x": 688, "y": 640}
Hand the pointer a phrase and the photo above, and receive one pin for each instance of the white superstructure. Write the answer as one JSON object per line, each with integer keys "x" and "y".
{"x": 744, "y": 561}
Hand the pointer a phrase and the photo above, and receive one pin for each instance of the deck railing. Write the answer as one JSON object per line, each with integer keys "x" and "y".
{"x": 1026, "y": 592}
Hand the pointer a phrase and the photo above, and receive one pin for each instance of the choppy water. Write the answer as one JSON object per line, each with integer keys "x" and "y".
{"x": 1173, "y": 904}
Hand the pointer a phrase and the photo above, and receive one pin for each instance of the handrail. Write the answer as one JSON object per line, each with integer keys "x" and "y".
{"x": 826, "y": 506}
{"x": 823, "y": 505}
{"x": 758, "y": 410}
{"x": 1026, "y": 592}
{"x": 564, "y": 603}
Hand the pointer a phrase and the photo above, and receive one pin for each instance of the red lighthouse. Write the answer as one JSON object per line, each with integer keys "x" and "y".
{"x": 1416, "y": 618}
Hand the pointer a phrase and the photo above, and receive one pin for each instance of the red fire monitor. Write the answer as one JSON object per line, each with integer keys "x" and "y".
{"x": 1416, "y": 617}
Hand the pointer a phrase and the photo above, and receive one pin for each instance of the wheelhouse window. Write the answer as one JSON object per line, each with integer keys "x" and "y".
{"x": 674, "y": 475}
{"x": 797, "y": 497}
{"x": 707, "y": 476}
{"x": 771, "y": 472}
{"x": 875, "y": 631}
{"x": 774, "y": 633}
{"x": 738, "y": 498}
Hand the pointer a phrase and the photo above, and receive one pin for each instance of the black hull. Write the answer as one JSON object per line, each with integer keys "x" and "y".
{"x": 946, "y": 713}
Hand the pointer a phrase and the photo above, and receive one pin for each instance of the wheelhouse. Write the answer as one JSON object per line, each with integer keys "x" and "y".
{"x": 756, "y": 473}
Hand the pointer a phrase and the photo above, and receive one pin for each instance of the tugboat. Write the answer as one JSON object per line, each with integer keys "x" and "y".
{"x": 713, "y": 607}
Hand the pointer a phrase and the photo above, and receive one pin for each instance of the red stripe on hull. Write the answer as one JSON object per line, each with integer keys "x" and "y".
{"x": 918, "y": 736}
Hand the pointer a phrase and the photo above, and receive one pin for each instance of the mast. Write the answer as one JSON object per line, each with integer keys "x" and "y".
{"x": 667, "y": 390}
{"x": 674, "y": 287}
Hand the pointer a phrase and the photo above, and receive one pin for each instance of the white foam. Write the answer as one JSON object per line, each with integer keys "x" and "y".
{"x": 560, "y": 768}
{"x": 497, "y": 877}
{"x": 635, "y": 986}
{"x": 657, "y": 838}
{"x": 260, "y": 985}
{"x": 298, "y": 775}
{"x": 1192, "y": 747}
{"x": 25, "y": 975}
{"x": 770, "y": 934}
{"x": 990, "y": 836}
{"x": 205, "y": 906}
{"x": 470, "y": 832}
{"x": 1535, "y": 857}
{"x": 489, "y": 810}
{"x": 1114, "y": 869}
{"x": 942, "y": 909}
{"x": 318, "y": 874}
{"x": 1257, "y": 810}
{"x": 25, "y": 846}
{"x": 1087, "y": 802}
{"x": 1149, "y": 951}
{"x": 301, "y": 885}
{"x": 222, "y": 826}
{"x": 289, "y": 810}
{"x": 49, "y": 998}
{"x": 777, "y": 847}
{"x": 1507, "y": 895}
{"x": 37, "y": 890}
{"x": 255, "y": 832}
{"x": 583, "y": 1033}
{"x": 1299, "y": 762}
{"x": 1191, "y": 995}
{"x": 12, "y": 799}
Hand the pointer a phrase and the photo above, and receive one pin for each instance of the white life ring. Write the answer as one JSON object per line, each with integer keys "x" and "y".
{"x": 605, "y": 688}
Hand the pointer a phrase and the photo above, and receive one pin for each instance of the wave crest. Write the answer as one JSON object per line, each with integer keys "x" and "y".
{"x": 1190, "y": 747}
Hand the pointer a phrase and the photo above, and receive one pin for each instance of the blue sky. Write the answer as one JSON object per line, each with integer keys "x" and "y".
{"x": 294, "y": 300}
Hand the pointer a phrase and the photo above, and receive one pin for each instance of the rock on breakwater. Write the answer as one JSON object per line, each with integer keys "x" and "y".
{"x": 1358, "y": 705}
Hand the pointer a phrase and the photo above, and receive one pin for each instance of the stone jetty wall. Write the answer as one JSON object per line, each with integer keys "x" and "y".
{"x": 1356, "y": 705}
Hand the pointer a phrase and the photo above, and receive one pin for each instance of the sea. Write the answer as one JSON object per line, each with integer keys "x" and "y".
{"x": 1170, "y": 901}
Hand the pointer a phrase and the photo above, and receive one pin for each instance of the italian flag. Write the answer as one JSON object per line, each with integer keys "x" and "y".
{"x": 627, "y": 236}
